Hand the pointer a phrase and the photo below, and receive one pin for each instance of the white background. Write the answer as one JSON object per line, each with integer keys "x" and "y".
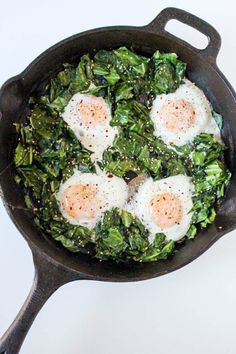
{"x": 189, "y": 311}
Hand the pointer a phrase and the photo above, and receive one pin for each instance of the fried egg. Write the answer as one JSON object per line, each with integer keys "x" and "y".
{"x": 89, "y": 117}
{"x": 164, "y": 206}
{"x": 180, "y": 116}
{"x": 84, "y": 197}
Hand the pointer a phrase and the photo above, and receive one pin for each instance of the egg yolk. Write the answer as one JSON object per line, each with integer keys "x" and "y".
{"x": 93, "y": 112}
{"x": 166, "y": 210}
{"x": 177, "y": 115}
{"x": 80, "y": 202}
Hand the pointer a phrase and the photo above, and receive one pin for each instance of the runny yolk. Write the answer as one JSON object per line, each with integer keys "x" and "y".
{"x": 177, "y": 115}
{"x": 166, "y": 210}
{"x": 80, "y": 202}
{"x": 93, "y": 111}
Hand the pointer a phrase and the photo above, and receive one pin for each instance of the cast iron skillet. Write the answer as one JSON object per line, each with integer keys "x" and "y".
{"x": 55, "y": 266}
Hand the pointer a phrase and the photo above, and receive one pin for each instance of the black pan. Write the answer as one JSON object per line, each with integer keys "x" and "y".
{"x": 54, "y": 265}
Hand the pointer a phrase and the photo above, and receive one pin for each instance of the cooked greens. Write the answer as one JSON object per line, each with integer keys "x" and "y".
{"x": 122, "y": 236}
{"x": 48, "y": 152}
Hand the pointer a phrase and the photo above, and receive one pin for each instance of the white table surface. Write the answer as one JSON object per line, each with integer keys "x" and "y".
{"x": 189, "y": 311}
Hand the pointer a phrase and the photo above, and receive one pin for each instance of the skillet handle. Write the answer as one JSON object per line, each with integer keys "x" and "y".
{"x": 48, "y": 278}
{"x": 171, "y": 13}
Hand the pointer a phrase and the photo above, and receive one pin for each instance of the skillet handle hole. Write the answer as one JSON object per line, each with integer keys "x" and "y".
{"x": 187, "y": 33}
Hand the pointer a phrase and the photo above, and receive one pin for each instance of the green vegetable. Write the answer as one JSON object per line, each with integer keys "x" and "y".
{"x": 121, "y": 236}
{"x": 124, "y": 91}
{"x": 192, "y": 231}
{"x": 126, "y": 218}
{"x": 110, "y": 74}
{"x": 169, "y": 72}
{"x": 23, "y": 157}
{"x": 160, "y": 249}
{"x": 137, "y": 149}
{"x": 210, "y": 177}
{"x": 83, "y": 75}
{"x": 218, "y": 119}
{"x": 136, "y": 64}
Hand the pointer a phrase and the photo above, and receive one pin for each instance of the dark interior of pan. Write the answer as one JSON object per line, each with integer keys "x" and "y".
{"x": 14, "y": 108}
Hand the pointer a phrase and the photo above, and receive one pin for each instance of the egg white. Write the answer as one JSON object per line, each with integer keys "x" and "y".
{"x": 94, "y": 137}
{"x": 112, "y": 191}
{"x": 181, "y": 187}
{"x": 204, "y": 121}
